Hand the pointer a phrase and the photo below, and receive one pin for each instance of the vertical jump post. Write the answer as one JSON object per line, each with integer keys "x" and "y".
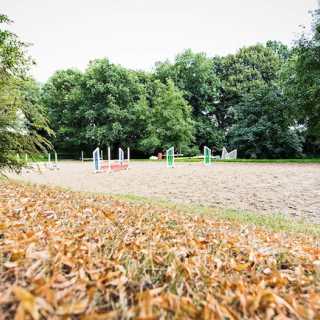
{"x": 109, "y": 158}
{"x": 121, "y": 156}
{"x": 96, "y": 160}
{"x": 56, "y": 160}
{"x": 206, "y": 156}
{"x": 170, "y": 157}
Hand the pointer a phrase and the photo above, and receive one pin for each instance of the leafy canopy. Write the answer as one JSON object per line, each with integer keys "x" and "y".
{"x": 22, "y": 120}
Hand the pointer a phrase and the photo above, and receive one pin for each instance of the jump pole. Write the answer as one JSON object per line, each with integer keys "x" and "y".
{"x": 170, "y": 157}
{"x": 206, "y": 156}
{"x": 109, "y": 159}
{"x": 81, "y": 156}
{"x": 96, "y": 160}
{"x": 121, "y": 156}
{"x": 128, "y": 155}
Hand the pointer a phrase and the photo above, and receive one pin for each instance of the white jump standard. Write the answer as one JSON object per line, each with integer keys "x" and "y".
{"x": 100, "y": 165}
{"x": 232, "y": 155}
{"x": 50, "y": 165}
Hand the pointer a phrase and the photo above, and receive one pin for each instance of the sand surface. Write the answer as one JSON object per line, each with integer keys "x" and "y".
{"x": 291, "y": 189}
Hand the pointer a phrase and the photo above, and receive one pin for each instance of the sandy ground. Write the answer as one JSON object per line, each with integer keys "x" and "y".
{"x": 292, "y": 189}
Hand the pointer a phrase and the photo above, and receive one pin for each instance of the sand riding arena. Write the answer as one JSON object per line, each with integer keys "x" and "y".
{"x": 290, "y": 189}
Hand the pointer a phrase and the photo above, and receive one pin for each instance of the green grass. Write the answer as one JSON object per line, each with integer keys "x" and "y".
{"x": 276, "y": 222}
{"x": 192, "y": 159}
{"x": 309, "y": 160}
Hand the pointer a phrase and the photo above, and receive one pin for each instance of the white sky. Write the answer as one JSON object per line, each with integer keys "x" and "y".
{"x": 137, "y": 33}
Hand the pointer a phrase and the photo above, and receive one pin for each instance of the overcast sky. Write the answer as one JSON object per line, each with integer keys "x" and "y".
{"x": 137, "y": 33}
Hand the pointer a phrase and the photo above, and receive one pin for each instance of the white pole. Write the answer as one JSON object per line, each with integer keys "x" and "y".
{"x": 128, "y": 155}
{"x": 109, "y": 158}
{"x": 101, "y": 154}
{"x": 119, "y": 155}
{"x": 56, "y": 158}
{"x": 96, "y": 160}
{"x": 81, "y": 156}
{"x": 49, "y": 158}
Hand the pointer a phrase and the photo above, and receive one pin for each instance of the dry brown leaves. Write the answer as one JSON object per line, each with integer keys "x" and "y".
{"x": 68, "y": 256}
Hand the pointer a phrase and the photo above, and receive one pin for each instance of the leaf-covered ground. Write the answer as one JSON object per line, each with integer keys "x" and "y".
{"x": 66, "y": 255}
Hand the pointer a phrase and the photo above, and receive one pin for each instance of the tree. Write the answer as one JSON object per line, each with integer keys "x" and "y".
{"x": 303, "y": 84}
{"x": 265, "y": 126}
{"x": 169, "y": 121}
{"x": 62, "y": 95}
{"x": 103, "y": 107}
{"x": 241, "y": 73}
{"x": 22, "y": 119}
{"x": 114, "y": 105}
{"x": 194, "y": 75}
{"x": 280, "y": 49}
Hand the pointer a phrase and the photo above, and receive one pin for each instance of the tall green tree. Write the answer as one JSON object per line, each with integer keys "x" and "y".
{"x": 104, "y": 106}
{"x": 241, "y": 73}
{"x": 23, "y": 123}
{"x": 303, "y": 84}
{"x": 194, "y": 75}
{"x": 114, "y": 105}
{"x": 62, "y": 95}
{"x": 169, "y": 121}
{"x": 265, "y": 126}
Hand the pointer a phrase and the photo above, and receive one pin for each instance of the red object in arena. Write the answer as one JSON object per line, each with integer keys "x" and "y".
{"x": 115, "y": 166}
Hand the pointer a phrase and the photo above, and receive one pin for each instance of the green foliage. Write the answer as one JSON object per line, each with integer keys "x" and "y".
{"x": 194, "y": 75}
{"x": 114, "y": 105}
{"x": 13, "y": 58}
{"x": 241, "y": 73}
{"x": 168, "y": 119}
{"x": 264, "y": 126}
{"x": 263, "y": 100}
{"x": 303, "y": 84}
{"x": 280, "y": 49}
{"x": 63, "y": 99}
{"x": 103, "y": 106}
{"x": 22, "y": 119}
{"x": 111, "y": 106}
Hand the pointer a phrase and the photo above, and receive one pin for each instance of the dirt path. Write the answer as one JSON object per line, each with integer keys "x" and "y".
{"x": 287, "y": 188}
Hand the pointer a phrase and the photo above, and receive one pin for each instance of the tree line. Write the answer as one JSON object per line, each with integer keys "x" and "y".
{"x": 263, "y": 100}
